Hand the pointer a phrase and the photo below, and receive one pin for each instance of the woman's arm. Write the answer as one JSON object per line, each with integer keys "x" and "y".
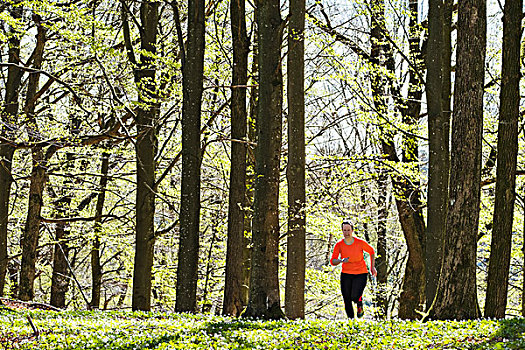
{"x": 373, "y": 270}
{"x": 335, "y": 255}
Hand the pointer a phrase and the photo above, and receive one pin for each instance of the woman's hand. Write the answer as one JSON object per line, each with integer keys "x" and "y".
{"x": 373, "y": 271}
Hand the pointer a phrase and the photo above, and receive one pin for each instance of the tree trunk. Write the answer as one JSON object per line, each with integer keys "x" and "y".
{"x": 456, "y": 296}
{"x": 236, "y": 210}
{"x": 500, "y": 248}
{"x": 60, "y": 276}
{"x": 407, "y": 192}
{"x": 9, "y": 119}
{"x": 61, "y": 269}
{"x": 379, "y": 50}
{"x": 192, "y": 71}
{"x": 250, "y": 169}
{"x": 438, "y": 139}
{"x": 447, "y": 9}
{"x": 523, "y": 268}
{"x": 96, "y": 267}
{"x": 382, "y": 252}
{"x": 409, "y": 204}
{"x": 146, "y": 150}
{"x": 296, "y": 245}
{"x": 31, "y": 231}
{"x": 264, "y": 300}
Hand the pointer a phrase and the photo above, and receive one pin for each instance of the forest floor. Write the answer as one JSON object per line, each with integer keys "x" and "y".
{"x": 24, "y": 328}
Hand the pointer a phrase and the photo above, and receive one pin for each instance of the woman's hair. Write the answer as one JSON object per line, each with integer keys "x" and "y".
{"x": 347, "y": 222}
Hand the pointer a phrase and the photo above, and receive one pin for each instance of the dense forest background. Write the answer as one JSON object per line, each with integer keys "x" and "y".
{"x": 124, "y": 122}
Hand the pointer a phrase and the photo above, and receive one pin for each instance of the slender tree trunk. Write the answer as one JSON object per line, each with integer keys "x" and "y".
{"x": 146, "y": 150}
{"x": 456, "y": 296}
{"x": 523, "y": 268}
{"x": 96, "y": 267}
{"x": 500, "y": 248}
{"x": 192, "y": 71}
{"x": 236, "y": 210}
{"x": 264, "y": 300}
{"x": 438, "y": 139}
{"x": 61, "y": 269}
{"x": 382, "y": 252}
{"x": 409, "y": 204}
{"x": 61, "y": 273}
{"x": 250, "y": 171}
{"x": 296, "y": 245}
{"x": 31, "y": 231}
{"x": 447, "y": 10}
{"x": 379, "y": 49}
{"x": 9, "y": 118}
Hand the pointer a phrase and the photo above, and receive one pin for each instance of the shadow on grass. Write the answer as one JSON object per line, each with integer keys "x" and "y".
{"x": 206, "y": 336}
{"x": 509, "y": 335}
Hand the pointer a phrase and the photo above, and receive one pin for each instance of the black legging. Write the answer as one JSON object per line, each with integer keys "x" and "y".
{"x": 352, "y": 287}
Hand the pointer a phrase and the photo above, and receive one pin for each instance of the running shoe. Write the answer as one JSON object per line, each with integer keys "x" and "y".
{"x": 360, "y": 311}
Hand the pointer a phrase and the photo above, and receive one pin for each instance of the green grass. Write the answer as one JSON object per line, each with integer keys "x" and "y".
{"x": 138, "y": 330}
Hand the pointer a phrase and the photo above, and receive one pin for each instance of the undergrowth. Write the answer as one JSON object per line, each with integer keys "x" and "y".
{"x": 140, "y": 330}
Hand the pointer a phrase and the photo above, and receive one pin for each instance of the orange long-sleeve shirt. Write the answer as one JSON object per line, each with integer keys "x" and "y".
{"x": 354, "y": 252}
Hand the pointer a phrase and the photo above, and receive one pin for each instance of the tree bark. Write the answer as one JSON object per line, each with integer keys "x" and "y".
{"x": 192, "y": 71}
{"x": 9, "y": 119}
{"x": 456, "y": 296}
{"x": 507, "y": 153}
{"x": 31, "y": 233}
{"x": 146, "y": 150}
{"x": 296, "y": 245}
{"x": 96, "y": 267}
{"x": 232, "y": 304}
{"x": 264, "y": 300}
{"x": 438, "y": 140}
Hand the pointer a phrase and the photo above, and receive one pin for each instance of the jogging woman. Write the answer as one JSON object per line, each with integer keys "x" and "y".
{"x": 349, "y": 251}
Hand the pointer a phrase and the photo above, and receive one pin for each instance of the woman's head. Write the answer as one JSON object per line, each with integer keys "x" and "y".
{"x": 348, "y": 228}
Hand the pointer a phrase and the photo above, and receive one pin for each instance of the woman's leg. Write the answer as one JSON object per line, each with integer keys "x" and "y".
{"x": 346, "y": 291}
{"x": 358, "y": 287}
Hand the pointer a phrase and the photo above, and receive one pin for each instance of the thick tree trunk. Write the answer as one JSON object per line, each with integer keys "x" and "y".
{"x": 146, "y": 150}
{"x": 233, "y": 304}
{"x": 96, "y": 267}
{"x": 192, "y": 71}
{"x": 438, "y": 139}
{"x": 9, "y": 119}
{"x": 296, "y": 245}
{"x": 499, "y": 263}
{"x": 31, "y": 231}
{"x": 456, "y": 296}
{"x": 264, "y": 300}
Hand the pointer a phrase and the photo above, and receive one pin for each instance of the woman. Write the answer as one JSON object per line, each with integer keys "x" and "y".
{"x": 349, "y": 251}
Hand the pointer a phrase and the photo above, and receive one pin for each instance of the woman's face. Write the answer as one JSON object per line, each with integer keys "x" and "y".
{"x": 347, "y": 231}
